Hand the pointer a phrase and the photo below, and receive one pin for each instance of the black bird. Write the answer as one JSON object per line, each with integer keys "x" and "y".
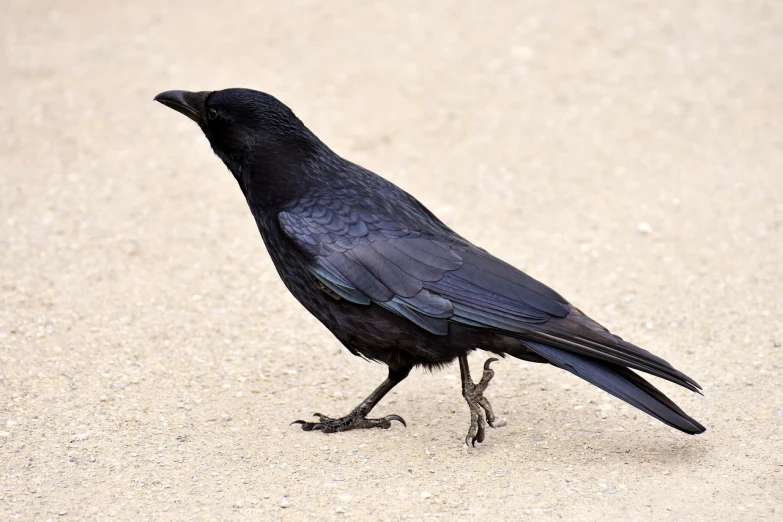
{"x": 392, "y": 282}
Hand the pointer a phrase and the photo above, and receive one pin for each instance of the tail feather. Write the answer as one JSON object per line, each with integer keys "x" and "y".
{"x": 621, "y": 382}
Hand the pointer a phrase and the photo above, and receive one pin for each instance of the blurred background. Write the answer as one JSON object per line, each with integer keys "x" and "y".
{"x": 628, "y": 154}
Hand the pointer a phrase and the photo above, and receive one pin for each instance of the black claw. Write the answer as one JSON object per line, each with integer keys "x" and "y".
{"x": 488, "y": 362}
{"x": 397, "y": 418}
{"x": 308, "y": 426}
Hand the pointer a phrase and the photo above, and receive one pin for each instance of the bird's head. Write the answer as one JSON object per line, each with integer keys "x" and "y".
{"x": 258, "y": 137}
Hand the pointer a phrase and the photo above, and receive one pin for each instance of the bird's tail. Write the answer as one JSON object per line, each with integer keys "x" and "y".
{"x": 621, "y": 382}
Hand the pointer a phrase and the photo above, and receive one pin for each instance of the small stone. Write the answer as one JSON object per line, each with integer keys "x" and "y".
{"x": 238, "y": 503}
{"x": 644, "y": 228}
{"x": 338, "y": 395}
{"x": 5, "y": 434}
{"x": 284, "y": 503}
{"x": 425, "y": 495}
{"x": 339, "y": 509}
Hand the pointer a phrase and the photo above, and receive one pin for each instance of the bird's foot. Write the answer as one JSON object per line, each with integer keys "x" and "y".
{"x": 352, "y": 421}
{"x": 474, "y": 396}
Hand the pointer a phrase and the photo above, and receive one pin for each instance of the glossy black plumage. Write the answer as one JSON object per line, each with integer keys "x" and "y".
{"x": 388, "y": 278}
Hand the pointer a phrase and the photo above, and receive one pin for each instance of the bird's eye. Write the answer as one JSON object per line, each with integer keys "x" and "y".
{"x": 211, "y": 114}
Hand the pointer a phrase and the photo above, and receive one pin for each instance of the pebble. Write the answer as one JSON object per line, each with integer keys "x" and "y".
{"x": 425, "y": 495}
{"x": 644, "y": 228}
{"x": 284, "y": 503}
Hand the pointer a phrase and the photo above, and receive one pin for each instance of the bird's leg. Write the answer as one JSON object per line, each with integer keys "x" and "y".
{"x": 357, "y": 419}
{"x": 474, "y": 396}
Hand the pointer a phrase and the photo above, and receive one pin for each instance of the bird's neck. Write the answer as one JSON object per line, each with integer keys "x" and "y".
{"x": 272, "y": 179}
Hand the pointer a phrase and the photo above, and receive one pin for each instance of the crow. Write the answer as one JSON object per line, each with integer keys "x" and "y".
{"x": 392, "y": 282}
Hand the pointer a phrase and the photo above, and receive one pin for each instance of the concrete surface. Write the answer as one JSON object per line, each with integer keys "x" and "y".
{"x": 627, "y": 153}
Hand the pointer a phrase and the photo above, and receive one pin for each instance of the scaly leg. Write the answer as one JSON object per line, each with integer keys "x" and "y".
{"x": 474, "y": 396}
{"x": 357, "y": 419}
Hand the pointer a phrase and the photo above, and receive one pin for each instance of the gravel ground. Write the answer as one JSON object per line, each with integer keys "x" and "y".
{"x": 629, "y": 154}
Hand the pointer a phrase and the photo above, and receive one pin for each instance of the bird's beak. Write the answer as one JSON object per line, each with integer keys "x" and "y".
{"x": 191, "y": 104}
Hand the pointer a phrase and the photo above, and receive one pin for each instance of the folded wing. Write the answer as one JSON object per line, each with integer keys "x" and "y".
{"x": 433, "y": 280}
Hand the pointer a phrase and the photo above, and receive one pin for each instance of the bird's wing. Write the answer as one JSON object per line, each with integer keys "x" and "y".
{"x": 364, "y": 256}
{"x": 369, "y": 256}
